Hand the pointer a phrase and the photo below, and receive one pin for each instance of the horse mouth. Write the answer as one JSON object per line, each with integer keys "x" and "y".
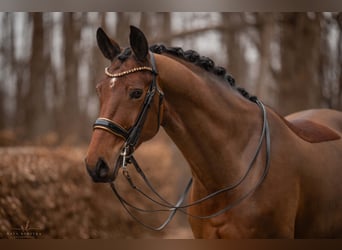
{"x": 115, "y": 171}
{"x": 102, "y": 172}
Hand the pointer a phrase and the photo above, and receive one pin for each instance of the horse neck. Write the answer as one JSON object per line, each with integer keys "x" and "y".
{"x": 213, "y": 125}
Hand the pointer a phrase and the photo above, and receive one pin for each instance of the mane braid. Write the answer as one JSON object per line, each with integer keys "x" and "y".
{"x": 193, "y": 57}
{"x": 204, "y": 62}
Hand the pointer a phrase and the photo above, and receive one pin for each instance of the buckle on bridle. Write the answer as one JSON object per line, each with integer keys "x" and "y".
{"x": 126, "y": 154}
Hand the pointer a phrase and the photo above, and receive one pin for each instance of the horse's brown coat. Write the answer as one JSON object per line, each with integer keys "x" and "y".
{"x": 217, "y": 130}
{"x": 311, "y": 131}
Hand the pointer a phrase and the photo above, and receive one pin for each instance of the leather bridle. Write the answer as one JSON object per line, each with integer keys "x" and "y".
{"x": 131, "y": 138}
{"x": 132, "y": 135}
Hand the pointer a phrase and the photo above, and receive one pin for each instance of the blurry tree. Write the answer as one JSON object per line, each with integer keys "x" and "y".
{"x": 34, "y": 105}
{"x": 266, "y": 26}
{"x": 339, "y": 58}
{"x": 122, "y": 30}
{"x": 157, "y": 27}
{"x": 2, "y": 112}
{"x": 233, "y": 26}
{"x": 69, "y": 122}
{"x": 98, "y": 62}
{"x": 298, "y": 78}
{"x": 3, "y": 51}
{"x": 50, "y": 63}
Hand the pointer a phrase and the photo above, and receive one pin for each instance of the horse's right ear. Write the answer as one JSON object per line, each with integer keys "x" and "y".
{"x": 110, "y": 49}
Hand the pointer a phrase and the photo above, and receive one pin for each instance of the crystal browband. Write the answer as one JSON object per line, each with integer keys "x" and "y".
{"x": 127, "y": 71}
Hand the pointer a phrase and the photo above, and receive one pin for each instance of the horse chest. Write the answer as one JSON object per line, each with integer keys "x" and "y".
{"x": 223, "y": 227}
{"x": 248, "y": 220}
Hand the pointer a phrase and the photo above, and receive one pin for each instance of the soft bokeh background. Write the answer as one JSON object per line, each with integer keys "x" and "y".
{"x": 49, "y": 66}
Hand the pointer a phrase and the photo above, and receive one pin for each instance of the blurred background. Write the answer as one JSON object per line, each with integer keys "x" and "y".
{"x": 49, "y": 62}
{"x": 49, "y": 66}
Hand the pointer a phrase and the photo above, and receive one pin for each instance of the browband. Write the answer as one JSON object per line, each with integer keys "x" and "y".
{"x": 127, "y": 71}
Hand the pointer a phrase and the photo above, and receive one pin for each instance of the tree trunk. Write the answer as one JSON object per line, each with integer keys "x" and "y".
{"x": 236, "y": 61}
{"x": 298, "y": 80}
{"x": 122, "y": 30}
{"x": 35, "y": 105}
{"x": 166, "y": 26}
{"x": 339, "y": 93}
{"x": 265, "y": 83}
{"x": 69, "y": 115}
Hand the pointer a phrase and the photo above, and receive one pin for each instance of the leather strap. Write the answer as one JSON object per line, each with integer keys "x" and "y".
{"x": 108, "y": 125}
{"x": 179, "y": 206}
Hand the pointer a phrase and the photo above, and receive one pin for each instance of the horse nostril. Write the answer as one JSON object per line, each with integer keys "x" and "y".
{"x": 102, "y": 168}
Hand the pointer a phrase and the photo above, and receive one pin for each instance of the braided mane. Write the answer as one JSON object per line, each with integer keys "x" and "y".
{"x": 193, "y": 57}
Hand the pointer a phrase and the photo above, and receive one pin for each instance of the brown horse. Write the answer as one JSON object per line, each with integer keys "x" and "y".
{"x": 229, "y": 140}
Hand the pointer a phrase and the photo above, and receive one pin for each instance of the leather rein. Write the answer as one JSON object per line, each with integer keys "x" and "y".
{"x": 131, "y": 138}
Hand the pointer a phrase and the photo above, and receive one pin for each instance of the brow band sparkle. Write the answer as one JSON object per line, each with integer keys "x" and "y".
{"x": 127, "y": 71}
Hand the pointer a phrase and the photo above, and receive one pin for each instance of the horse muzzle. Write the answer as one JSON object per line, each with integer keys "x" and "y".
{"x": 102, "y": 173}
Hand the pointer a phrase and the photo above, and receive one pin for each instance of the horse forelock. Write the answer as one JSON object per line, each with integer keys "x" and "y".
{"x": 125, "y": 53}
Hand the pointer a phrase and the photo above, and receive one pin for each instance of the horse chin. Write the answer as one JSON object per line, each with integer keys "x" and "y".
{"x": 112, "y": 175}
{"x": 114, "y": 168}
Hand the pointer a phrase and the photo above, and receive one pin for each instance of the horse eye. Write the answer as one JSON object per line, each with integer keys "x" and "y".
{"x": 136, "y": 93}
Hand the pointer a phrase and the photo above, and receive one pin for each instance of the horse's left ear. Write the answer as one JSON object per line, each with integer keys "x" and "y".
{"x": 138, "y": 43}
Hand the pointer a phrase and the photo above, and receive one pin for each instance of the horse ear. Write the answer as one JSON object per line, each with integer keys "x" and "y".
{"x": 138, "y": 43}
{"x": 110, "y": 49}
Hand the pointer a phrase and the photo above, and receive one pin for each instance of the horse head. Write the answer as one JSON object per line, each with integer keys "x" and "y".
{"x": 130, "y": 105}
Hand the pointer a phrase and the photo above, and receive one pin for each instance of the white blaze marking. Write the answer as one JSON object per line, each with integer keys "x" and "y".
{"x": 112, "y": 82}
